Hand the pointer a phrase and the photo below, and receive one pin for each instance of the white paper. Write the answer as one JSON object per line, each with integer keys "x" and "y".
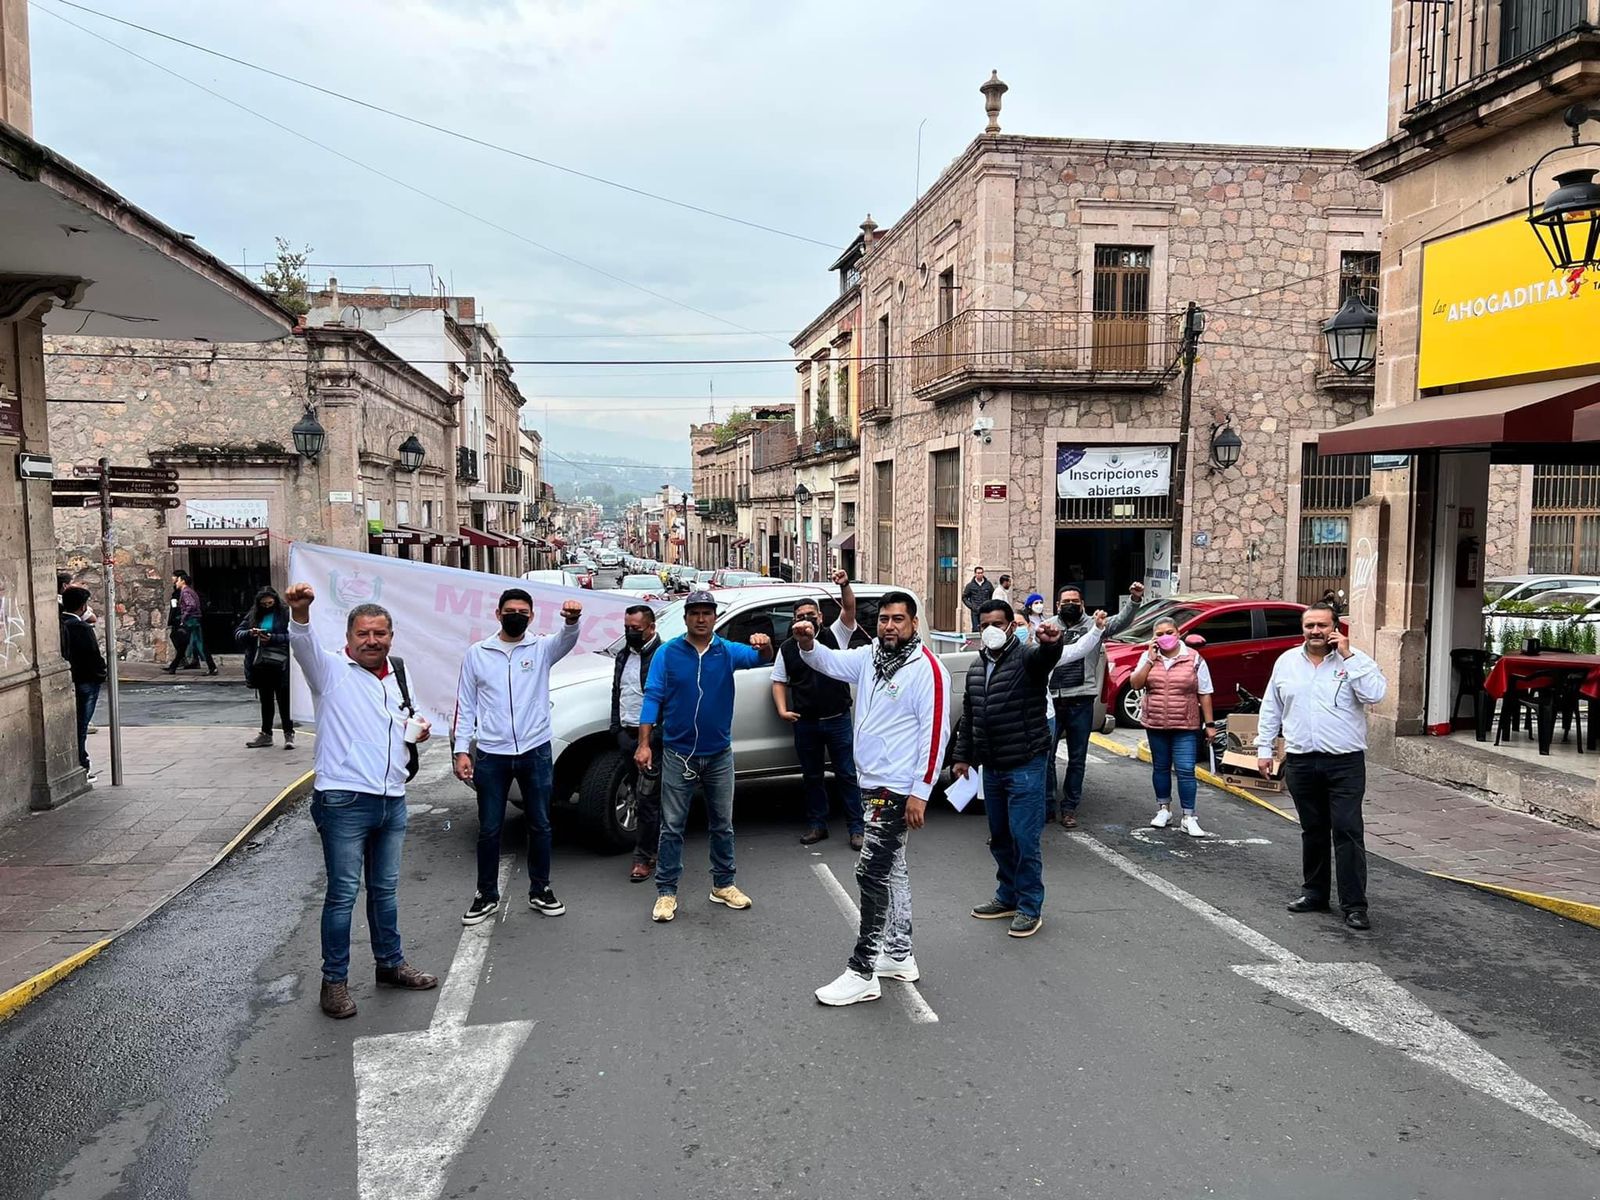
{"x": 965, "y": 789}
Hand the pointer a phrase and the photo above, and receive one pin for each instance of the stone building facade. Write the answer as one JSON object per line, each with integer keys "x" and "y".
{"x": 221, "y": 415}
{"x": 1028, "y": 310}
{"x": 731, "y": 526}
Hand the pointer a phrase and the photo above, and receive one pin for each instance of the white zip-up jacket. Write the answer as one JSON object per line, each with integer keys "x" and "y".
{"x": 503, "y": 694}
{"x": 902, "y": 725}
{"x": 361, "y": 726}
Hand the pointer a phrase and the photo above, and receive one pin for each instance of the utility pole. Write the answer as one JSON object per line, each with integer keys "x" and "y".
{"x": 1194, "y": 324}
{"x": 108, "y": 566}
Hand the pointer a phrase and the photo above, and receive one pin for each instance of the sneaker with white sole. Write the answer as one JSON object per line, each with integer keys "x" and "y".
{"x": 545, "y": 902}
{"x": 1192, "y": 827}
{"x": 731, "y": 896}
{"x": 904, "y": 969}
{"x": 666, "y": 908}
{"x": 480, "y": 910}
{"x": 1162, "y": 819}
{"x": 849, "y": 988}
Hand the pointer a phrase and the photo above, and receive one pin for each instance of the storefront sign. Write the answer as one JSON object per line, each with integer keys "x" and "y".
{"x": 1390, "y": 462}
{"x": 1102, "y": 472}
{"x": 994, "y": 491}
{"x": 10, "y": 414}
{"x": 225, "y": 514}
{"x": 1492, "y": 308}
{"x": 341, "y": 497}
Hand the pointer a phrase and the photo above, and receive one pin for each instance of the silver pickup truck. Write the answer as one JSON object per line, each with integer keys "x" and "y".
{"x": 594, "y": 780}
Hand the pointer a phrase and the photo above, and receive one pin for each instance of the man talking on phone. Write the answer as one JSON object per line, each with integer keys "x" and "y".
{"x": 503, "y": 701}
{"x": 1317, "y": 700}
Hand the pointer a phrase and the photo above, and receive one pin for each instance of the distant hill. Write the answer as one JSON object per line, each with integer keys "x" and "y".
{"x": 607, "y": 478}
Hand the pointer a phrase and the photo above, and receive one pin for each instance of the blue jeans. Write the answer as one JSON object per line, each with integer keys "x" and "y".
{"x": 680, "y": 778}
{"x": 359, "y": 831}
{"x": 493, "y": 773}
{"x": 1075, "y": 721}
{"x": 835, "y": 737}
{"x": 1174, "y": 750}
{"x": 88, "y": 695}
{"x": 1014, "y": 800}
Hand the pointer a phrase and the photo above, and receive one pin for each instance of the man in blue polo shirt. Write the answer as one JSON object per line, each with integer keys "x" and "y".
{"x": 689, "y": 693}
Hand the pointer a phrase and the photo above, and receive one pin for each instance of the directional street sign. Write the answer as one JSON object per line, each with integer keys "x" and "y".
{"x": 82, "y": 487}
{"x": 92, "y": 500}
{"x": 129, "y": 472}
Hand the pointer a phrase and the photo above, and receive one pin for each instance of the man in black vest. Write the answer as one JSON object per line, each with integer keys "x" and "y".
{"x": 627, "y": 697}
{"x": 819, "y": 709}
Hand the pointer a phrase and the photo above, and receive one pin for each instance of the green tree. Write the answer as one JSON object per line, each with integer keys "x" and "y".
{"x": 286, "y": 278}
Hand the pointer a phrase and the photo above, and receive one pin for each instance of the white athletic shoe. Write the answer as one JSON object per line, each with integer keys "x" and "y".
{"x": 1162, "y": 819}
{"x": 904, "y": 969}
{"x": 1192, "y": 827}
{"x": 849, "y": 988}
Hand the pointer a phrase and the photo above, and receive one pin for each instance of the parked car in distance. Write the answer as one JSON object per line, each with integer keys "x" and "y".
{"x": 1239, "y": 639}
{"x": 609, "y": 558}
{"x": 1530, "y": 589}
{"x": 555, "y": 578}
{"x": 579, "y": 578}
{"x": 643, "y": 586}
{"x": 594, "y": 780}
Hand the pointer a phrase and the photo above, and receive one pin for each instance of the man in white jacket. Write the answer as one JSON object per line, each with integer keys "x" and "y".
{"x": 358, "y": 801}
{"x": 902, "y": 722}
{"x": 503, "y": 700}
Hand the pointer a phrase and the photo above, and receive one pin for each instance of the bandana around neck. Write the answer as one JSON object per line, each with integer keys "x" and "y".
{"x": 885, "y": 663}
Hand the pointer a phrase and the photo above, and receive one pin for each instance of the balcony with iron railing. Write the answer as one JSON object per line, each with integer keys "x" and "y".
{"x": 720, "y": 509}
{"x": 1045, "y": 351}
{"x": 877, "y": 401}
{"x": 1453, "y": 45}
{"x": 825, "y": 440}
{"x": 466, "y": 464}
{"x": 513, "y": 479}
{"x": 743, "y": 494}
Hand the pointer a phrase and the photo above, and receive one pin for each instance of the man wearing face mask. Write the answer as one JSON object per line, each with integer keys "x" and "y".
{"x": 1075, "y": 685}
{"x": 503, "y": 699}
{"x": 640, "y": 644}
{"x": 1003, "y": 731}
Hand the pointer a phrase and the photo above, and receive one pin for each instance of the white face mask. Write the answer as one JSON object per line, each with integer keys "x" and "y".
{"x": 994, "y": 638}
{"x": 1036, "y": 608}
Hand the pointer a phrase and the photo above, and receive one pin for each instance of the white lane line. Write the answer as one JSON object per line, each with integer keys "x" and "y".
{"x": 1363, "y": 999}
{"x": 916, "y": 1007}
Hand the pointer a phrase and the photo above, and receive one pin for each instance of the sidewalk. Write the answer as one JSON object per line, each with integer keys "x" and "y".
{"x": 1454, "y": 835}
{"x": 73, "y": 878}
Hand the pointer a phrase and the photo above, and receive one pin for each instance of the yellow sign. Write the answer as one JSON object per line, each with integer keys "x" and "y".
{"x": 1492, "y": 308}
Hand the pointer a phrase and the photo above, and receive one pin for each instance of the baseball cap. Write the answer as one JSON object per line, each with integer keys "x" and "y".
{"x": 699, "y": 599}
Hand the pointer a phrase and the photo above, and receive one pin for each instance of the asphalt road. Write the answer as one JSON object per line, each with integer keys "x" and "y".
{"x": 1116, "y": 1054}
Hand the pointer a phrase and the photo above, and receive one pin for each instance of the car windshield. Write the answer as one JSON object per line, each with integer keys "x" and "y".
{"x": 1566, "y": 599}
{"x": 1143, "y": 627}
{"x": 640, "y": 581}
{"x": 1496, "y": 588}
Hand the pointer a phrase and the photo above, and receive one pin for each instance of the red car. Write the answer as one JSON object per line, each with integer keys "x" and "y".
{"x": 1239, "y": 639}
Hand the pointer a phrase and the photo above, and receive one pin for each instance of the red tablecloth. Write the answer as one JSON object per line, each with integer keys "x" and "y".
{"x": 1499, "y": 680}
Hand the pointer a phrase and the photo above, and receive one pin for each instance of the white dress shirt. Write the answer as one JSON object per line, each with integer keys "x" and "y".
{"x": 360, "y": 744}
{"x": 1319, "y": 707}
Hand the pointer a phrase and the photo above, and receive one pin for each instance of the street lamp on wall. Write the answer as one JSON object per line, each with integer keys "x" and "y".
{"x": 1568, "y": 224}
{"x": 308, "y": 435}
{"x": 1225, "y": 445}
{"x": 1352, "y": 335}
{"x": 411, "y": 453}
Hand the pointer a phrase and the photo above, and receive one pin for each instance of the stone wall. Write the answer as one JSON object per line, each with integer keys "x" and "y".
{"x": 1505, "y": 549}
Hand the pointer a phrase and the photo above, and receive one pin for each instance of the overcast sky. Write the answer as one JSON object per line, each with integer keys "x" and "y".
{"x": 801, "y": 116}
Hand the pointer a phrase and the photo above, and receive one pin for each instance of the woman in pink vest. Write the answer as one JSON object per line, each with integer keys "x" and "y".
{"x": 1177, "y": 693}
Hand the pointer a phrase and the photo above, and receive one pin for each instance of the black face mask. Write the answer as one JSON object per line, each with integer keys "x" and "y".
{"x": 634, "y": 639}
{"x": 515, "y": 624}
{"x": 1070, "y": 614}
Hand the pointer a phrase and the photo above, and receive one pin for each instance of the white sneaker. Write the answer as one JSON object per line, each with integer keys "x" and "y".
{"x": 1162, "y": 819}
{"x": 1192, "y": 827}
{"x": 849, "y": 988}
{"x": 904, "y": 969}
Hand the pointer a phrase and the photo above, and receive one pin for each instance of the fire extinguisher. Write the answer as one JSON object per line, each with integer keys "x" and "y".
{"x": 1469, "y": 564}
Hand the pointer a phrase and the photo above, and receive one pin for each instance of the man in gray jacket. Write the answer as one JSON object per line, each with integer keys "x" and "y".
{"x": 1074, "y": 686}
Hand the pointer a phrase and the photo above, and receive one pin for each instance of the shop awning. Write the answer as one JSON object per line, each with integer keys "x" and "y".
{"x": 197, "y": 538}
{"x": 434, "y": 536}
{"x": 482, "y": 537}
{"x": 845, "y": 541}
{"x": 1525, "y": 414}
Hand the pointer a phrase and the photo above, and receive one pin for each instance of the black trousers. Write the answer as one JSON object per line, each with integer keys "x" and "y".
{"x": 179, "y": 637}
{"x": 1328, "y": 790}
{"x": 647, "y": 793}
{"x": 272, "y": 686}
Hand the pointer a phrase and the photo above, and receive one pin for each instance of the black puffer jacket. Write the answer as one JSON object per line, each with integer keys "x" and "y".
{"x": 1003, "y": 723}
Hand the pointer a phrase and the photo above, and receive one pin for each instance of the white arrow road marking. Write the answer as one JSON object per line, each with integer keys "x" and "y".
{"x": 916, "y": 1007}
{"x": 1151, "y": 837}
{"x": 420, "y": 1096}
{"x": 1362, "y": 998}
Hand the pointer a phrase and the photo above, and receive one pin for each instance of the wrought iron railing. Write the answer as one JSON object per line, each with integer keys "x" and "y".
{"x": 876, "y": 399}
{"x": 720, "y": 509}
{"x": 824, "y": 437}
{"x": 513, "y": 479}
{"x": 1450, "y": 43}
{"x": 466, "y": 464}
{"x": 990, "y": 342}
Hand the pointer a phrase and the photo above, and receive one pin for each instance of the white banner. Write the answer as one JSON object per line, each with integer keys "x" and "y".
{"x": 213, "y": 513}
{"x": 438, "y": 612}
{"x": 1112, "y": 472}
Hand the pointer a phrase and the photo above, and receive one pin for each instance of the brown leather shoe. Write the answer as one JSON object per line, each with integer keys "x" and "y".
{"x": 336, "y": 1000}
{"x": 408, "y": 977}
{"x": 641, "y": 871}
{"x": 1069, "y": 819}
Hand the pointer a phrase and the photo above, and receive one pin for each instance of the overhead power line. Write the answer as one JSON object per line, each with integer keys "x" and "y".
{"x": 398, "y": 182}
{"x": 453, "y": 133}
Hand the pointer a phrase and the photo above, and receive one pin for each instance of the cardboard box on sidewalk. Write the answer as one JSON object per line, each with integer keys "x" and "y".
{"x": 1239, "y": 768}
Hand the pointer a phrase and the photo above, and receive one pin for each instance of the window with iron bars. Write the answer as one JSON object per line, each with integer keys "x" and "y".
{"x": 1358, "y": 276}
{"x": 1330, "y": 486}
{"x": 1564, "y": 529}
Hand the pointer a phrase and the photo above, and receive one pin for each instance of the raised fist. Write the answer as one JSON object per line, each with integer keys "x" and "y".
{"x": 571, "y": 610}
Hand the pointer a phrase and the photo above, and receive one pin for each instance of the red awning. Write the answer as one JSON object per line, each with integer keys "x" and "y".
{"x": 483, "y": 537}
{"x": 1525, "y": 414}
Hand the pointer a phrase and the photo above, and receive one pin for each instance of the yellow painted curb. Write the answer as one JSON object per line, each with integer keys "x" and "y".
{"x": 15, "y": 998}
{"x": 262, "y": 817}
{"x": 1573, "y": 910}
{"x": 1216, "y": 781}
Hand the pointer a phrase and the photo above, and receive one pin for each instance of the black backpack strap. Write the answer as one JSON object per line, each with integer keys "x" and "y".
{"x": 398, "y": 666}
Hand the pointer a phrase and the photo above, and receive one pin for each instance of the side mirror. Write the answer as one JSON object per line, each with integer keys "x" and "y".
{"x": 1195, "y": 640}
